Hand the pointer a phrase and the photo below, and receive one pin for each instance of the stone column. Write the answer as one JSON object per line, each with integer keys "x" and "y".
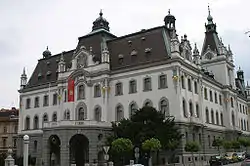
{"x": 25, "y": 150}
{"x": 9, "y": 161}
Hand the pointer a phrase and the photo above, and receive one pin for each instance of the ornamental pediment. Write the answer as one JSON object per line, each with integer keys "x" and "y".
{"x": 83, "y": 58}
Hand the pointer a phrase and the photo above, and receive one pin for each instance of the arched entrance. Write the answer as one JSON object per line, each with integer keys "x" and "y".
{"x": 79, "y": 150}
{"x": 54, "y": 150}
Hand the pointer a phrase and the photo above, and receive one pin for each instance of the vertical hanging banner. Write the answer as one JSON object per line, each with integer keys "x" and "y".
{"x": 71, "y": 89}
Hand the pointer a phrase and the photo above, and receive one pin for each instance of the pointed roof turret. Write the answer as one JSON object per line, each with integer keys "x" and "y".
{"x": 24, "y": 73}
{"x": 100, "y": 23}
{"x": 195, "y": 51}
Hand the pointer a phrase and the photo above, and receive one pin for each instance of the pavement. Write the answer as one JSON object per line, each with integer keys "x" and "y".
{"x": 234, "y": 164}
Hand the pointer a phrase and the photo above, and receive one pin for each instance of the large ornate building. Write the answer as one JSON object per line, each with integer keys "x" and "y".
{"x": 8, "y": 129}
{"x": 71, "y": 98}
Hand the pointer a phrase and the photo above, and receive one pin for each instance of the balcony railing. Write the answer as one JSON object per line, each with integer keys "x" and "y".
{"x": 83, "y": 123}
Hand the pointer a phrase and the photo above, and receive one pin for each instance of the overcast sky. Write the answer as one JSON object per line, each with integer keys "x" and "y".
{"x": 28, "y": 26}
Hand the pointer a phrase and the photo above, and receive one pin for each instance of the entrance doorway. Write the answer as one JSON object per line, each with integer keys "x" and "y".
{"x": 79, "y": 150}
{"x": 54, "y": 150}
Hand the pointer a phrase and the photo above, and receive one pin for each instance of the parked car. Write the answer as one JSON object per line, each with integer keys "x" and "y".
{"x": 232, "y": 157}
{"x": 218, "y": 160}
{"x": 241, "y": 155}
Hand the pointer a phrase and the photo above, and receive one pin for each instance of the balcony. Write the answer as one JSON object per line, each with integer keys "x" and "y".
{"x": 73, "y": 123}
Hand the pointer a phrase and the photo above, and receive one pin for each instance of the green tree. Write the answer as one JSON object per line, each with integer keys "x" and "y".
{"x": 245, "y": 142}
{"x": 121, "y": 148}
{"x": 218, "y": 142}
{"x": 235, "y": 144}
{"x": 152, "y": 144}
{"x": 145, "y": 124}
{"x": 227, "y": 145}
{"x": 192, "y": 147}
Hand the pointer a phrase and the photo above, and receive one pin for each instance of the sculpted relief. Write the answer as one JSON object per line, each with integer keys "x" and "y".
{"x": 81, "y": 61}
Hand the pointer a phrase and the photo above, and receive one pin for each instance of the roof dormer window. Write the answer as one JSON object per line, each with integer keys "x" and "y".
{"x": 48, "y": 73}
{"x": 133, "y": 53}
{"x": 39, "y": 75}
{"x": 120, "y": 59}
{"x": 148, "y": 50}
{"x": 48, "y": 63}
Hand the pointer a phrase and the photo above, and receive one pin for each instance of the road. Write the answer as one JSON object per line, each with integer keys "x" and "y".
{"x": 234, "y": 164}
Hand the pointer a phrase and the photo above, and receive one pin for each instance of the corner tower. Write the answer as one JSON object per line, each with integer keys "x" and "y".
{"x": 215, "y": 56}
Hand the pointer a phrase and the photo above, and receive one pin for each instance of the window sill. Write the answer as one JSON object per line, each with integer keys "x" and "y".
{"x": 132, "y": 92}
{"x": 147, "y": 90}
{"x": 118, "y": 94}
{"x": 162, "y": 87}
{"x": 97, "y": 96}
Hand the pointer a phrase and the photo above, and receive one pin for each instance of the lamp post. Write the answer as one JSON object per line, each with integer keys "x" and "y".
{"x": 25, "y": 150}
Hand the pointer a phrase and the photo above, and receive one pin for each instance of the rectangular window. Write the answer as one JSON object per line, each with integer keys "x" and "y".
{"x": 36, "y": 102}
{"x": 118, "y": 89}
{"x": 55, "y": 96}
{"x": 205, "y": 93}
{"x": 182, "y": 82}
{"x": 132, "y": 86}
{"x": 195, "y": 87}
{"x": 215, "y": 98}
{"x": 45, "y": 100}
{"x": 14, "y": 142}
{"x": 147, "y": 84}
{"x": 65, "y": 96}
{"x": 27, "y": 103}
{"x": 97, "y": 90}
{"x": 220, "y": 99}
{"x": 4, "y": 142}
{"x": 211, "y": 95}
{"x": 189, "y": 85}
{"x": 162, "y": 81}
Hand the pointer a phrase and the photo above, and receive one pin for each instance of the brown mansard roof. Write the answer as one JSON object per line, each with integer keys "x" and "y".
{"x": 150, "y": 45}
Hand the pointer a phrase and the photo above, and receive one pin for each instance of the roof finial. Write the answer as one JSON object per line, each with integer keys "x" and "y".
{"x": 101, "y": 13}
{"x": 208, "y": 9}
{"x": 247, "y": 83}
{"x": 24, "y": 71}
{"x": 168, "y": 11}
{"x": 47, "y": 47}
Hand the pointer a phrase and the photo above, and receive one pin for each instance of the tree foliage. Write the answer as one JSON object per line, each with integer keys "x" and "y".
{"x": 227, "y": 145}
{"x": 192, "y": 147}
{"x": 151, "y": 145}
{"x": 235, "y": 144}
{"x": 218, "y": 142}
{"x": 145, "y": 124}
{"x": 121, "y": 146}
{"x": 245, "y": 142}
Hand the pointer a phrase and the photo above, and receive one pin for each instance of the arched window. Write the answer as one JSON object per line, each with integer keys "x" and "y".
{"x": 197, "y": 111}
{"x": 27, "y": 123}
{"x": 191, "y": 111}
{"x": 233, "y": 119}
{"x": 164, "y": 107}
{"x": 54, "y": 117}
{"x": 119, "y": 113}
{"x": 80, "y": 92}
{"x": 133, "y": 109}
{"x": 148, "y": 103}
{"x": 207, "y": 115}
{"x": 221, "y": 119}
{"x": 212, "y": 116}
{"x": 184, "y": 108}
{"x": 36, "y": 122}
{"x": 45, "y": 118}
{"x": 66, "y": 115}
{"x": 232, "y": 102}
{"x": 217, "y": 118}
{"x": 81, "y": 114}
{"x": 98, "y": 114}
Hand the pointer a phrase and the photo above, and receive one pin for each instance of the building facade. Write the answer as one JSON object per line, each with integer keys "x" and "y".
{"x": 8, "y": 130}
{"x": 71, "y": 98}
